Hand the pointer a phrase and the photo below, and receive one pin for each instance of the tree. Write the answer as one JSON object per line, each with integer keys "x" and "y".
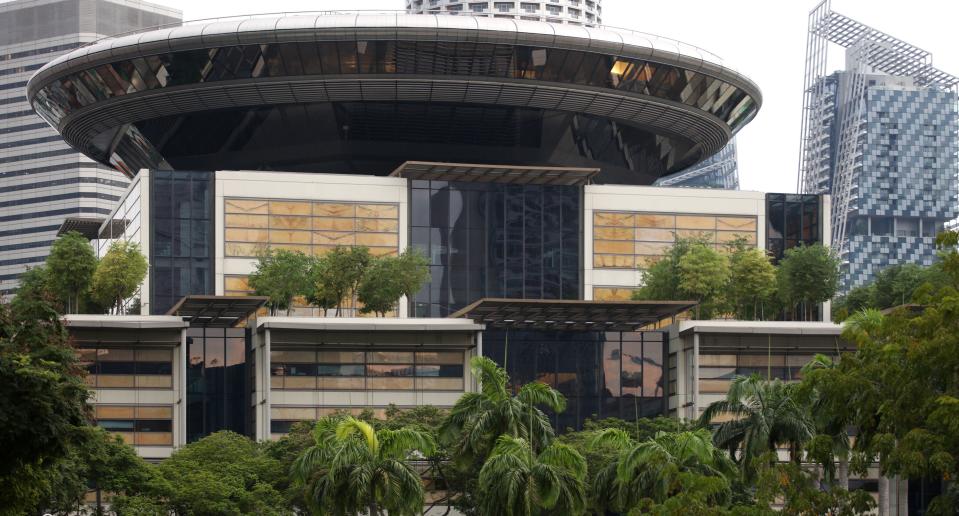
{"x": 478, "y": 418}
{"x": 43, "y": 400}
{"x": 280, "y": 275}
{"x": 388, "y": 278}
{"x": 644, "y": 473}
{"x": 703, "y": 274}
{"x": 893, "y": 286}
{"x": 807, "y": 276}
{"x": 223, "y": 473}
{"x": 752, "y": 282}
{"x": 118, "y": 275}
{"x": 339, "y": 273}
{"x": 665, "y": 278}
{"x": 765, "y": 414}
{"x": 516, "y": 481}
{"x": 322, "y": 285}
{"x": 70, "y": 267}
{"x": 352, "y": 468}
{"x": 795, "y": 493}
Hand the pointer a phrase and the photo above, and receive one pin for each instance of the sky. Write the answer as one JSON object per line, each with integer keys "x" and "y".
{"x": 762, "y": 39}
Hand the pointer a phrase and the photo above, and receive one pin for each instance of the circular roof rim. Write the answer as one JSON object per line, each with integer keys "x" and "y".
{"x": 82, "y": 56}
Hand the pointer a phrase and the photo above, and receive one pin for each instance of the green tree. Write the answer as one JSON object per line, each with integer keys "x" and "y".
{"x": 388, "y": 278}
{"x": 223, "y": 473}
{"x": 43, "y": 400}
{"x": 70, "y": 267}
{"x": 752, "y": 282}
{"x": 280, "y": 275}
{"x": 379, "y": 290}
{"x": 661, "y": 280}
{"x": 807, "y": 276}
{"x": 703, "y": 275}
{"x": 341, "y": 273}
{"x": 793, "y": 492}
{"x": 765, "y": 414}
{"x": 478, "y": 418}
{"x": 118, "y": 275}
{"x": 352, "y": 468}
{"x": 517, "y": 481}
{"x": 645, "y": 473}
{"x": 322, "y": 285}
{"x": 99, "y": 461}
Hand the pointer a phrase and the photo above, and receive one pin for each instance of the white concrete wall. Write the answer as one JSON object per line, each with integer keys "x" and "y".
{"x": 686, "y": 201}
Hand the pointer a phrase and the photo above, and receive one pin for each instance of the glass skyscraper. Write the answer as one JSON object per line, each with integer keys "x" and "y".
{"x": 721, "y": 170}
{"x": 42, "y": 179}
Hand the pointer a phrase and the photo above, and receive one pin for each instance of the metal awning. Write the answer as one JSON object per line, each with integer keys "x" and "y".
{"x": 509, "y": 174}
{"x": 571, "y": 315}
{"x": 217, "y": 311}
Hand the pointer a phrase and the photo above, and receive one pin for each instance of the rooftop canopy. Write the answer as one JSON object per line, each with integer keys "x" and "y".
{"x": 509, "y": 174}
{"x": 217, "y": 311}
{"x": 571, "y": 315}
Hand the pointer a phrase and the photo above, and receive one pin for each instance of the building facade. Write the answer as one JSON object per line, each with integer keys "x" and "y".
{"x": 881, "y": 138}
{"x": 721, "y": 170}
{"x": 43, "y": 180}
{"x": 572, "y": 12}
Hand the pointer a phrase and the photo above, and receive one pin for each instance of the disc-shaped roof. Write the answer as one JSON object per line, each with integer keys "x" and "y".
{"x": 362, "y": 92}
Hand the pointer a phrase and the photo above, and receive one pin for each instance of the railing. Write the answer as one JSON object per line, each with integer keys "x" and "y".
{"x": 680, "y": 47}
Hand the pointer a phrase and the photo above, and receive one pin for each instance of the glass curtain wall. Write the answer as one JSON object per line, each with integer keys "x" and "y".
{"x": 495, "y": 240}
{"x": 181, "y": 205}
{"x": 602, "y": 374}
{"x": 217, "y": 376}
{"x": 793, "y": 220}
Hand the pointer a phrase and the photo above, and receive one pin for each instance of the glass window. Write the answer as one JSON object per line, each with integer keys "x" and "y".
{"x": 391, "y": 357}
{"x": 389, "y": 370}
{"x": 116, "y": 425}
{"x": 443, "y": 371}
{"x": 340, "y": 370}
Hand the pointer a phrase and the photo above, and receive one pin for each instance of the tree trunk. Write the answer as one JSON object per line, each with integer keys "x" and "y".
{"x": 883, "y": 495}
{"x": 844, "y": 471}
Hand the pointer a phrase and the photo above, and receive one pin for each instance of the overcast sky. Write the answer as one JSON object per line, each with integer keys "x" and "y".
{"x": 763, "y": 39}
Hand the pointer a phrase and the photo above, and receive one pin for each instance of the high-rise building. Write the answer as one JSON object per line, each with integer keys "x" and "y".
{"x": 881, "y": 137}
{"x": 42, "y": 179}
{"x": 720, "y": 170}
{"x": 573, "y": 12}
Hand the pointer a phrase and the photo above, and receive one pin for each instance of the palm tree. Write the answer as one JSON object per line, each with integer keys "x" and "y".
{"x": 832, "y": 437}
{"x": 659, "y": 468}
{"x": 766, "y": 414}
{"x": 353, "y": 469}
{"x": 479, "y": 418}
{"x": 515, "y": 481}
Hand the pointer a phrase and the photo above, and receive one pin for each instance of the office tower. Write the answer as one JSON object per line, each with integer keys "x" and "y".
{"x": 880, "y": 136}
{"x": 42, "y": 179}
{"x": 573, "y": 12}
{"x": 720, "y": 170}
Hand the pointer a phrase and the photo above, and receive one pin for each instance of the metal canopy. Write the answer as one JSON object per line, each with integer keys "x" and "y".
{"x": 509, "y": 174}
{"x": 571, "y": 315}
{"x": 217, "y": 311}
{"x": 89, "y": 227}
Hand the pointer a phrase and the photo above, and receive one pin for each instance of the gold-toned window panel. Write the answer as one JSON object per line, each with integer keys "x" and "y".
{"x": 311, "y": 227}
{"x": 626, "y": 240}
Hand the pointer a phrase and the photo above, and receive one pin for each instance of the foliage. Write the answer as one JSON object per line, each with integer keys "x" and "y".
{"x": 807, "y": 275}
{"x": 344, "y": 270}
{"x": 223, "y": 473}
{"x": 651, "y": 472}
{"x": 96, "y": 460}
{"x": 352, "y": 468}
{"x": 752, "y": 283}
{"x": 388, "y": 278}
{"x": 516, "y": 481}
{"x": 70, "y": 267}
{"x": 42, "y": 400}
{"x": 893, "y": 286}
{"x": 118, "y": 275}
{"x": 690, "y": 269}
{"x": 479, "y": 418}
{"x": 280, "y": 275}
{"x": 766, "y": 414}
{"x": 703, "y": 274}
{"x": 798, "y": 493}
{"x": 900, "y": 389}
